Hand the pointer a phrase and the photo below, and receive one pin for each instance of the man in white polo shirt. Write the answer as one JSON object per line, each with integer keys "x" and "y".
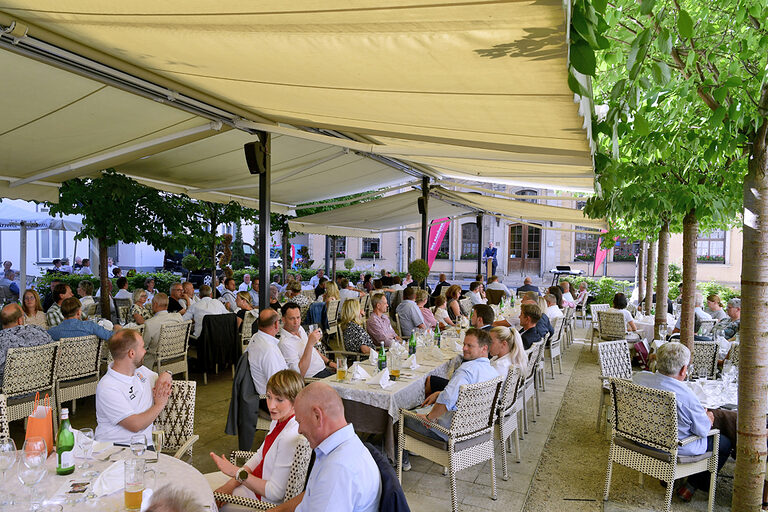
{"x": 130, "y": 396}
{"x": 298, "y": 348}
{"x": 264, "y": 356}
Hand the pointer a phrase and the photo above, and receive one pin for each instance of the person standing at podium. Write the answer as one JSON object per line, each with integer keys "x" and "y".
{"x": 490, "y": 252}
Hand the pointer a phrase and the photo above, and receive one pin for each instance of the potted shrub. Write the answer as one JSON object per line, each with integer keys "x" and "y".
{"x": 349, "y": 263}
{"x": 419, "y": 271}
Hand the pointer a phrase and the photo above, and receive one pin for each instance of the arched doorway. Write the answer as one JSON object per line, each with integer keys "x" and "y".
{"x": 524, "y": 249}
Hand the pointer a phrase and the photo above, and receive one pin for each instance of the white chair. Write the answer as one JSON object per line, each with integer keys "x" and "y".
{"x": 77, "y": 368}
{"x": 595, "y": 308}
{"x": 29, "y": 370}
{"x": 645, "y": 438}
{"x": 177, "y": 419}
{"x": 506, "y": 417}
{"x": 171, "y": 351}
{"x": 552, "y": 348}
{"x": 615, "y": 361}
{"x": 530, "y": 391}
{"x": 705, "y": 359}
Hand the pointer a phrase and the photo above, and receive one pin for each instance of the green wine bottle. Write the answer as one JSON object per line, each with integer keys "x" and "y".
{"x": 382, "y": 357}
{"x": 412, "y": 345}
{"x": 65, "y": 444}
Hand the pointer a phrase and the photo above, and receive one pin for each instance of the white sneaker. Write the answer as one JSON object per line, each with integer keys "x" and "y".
{"x": 406, "y": 465}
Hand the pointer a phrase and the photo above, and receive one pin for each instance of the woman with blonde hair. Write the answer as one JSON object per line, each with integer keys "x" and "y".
{"x": 507, "y": 350}
{"x": 244, "y": 302}
{"x": 265, "y": 475}
{"x": 441, "y": 313}
{"x": 715, "y": 307}
{"x": 331, "y": 292}
{"x": 351, "y": 325}
{"x": 33, "y": 309}
{"x": 139, "y": 310}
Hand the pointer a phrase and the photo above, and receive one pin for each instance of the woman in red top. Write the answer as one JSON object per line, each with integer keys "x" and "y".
{"x": 269, "y": 468}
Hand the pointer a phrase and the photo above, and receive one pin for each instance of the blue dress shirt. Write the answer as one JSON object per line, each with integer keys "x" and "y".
{"x": 74, "y": 327}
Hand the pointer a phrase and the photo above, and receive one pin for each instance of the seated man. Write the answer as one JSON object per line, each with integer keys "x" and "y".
{"x": 692, "y": 418}
{"x": 347, "y": 291}
{"x": 476, "y": 294}
{"x": 246, "y": 285}
{"x": 552, "y": 310}
{"x": 440, "y": 283}
{"x": 444, "y": 394}
{"x": 188, "y": 294}
{"x": 298, "y": 348}
{"x": 378, "y": 325}
{"x": 60, "y": 292}
{"x": 74, "y": 326}
{"x": 129, "y": 397}
{"x": 530, "y": 316}
{"x": 344, "y": 477}
{"x": 16, "y": 334}
{"x": 698, "y": 315}
{"x": 122, "y": 289}
{"x": 409, "y": 313}
{"x": 9, "y": 280}
{"x": 482, "y": 317}
{"x": 205, "y": 306}
{"x": 568, "y": 300}
{"x": 228, "y": 296}
{"x": 264, "y": 356}
{"x": 528, "y": 287}
{"x": 153, "y": 326}
{"x": 494, "y": 284}
{"x": 314, "y": 281}
{"x": 730, "y": 326}
{"x": 176, "y": 303}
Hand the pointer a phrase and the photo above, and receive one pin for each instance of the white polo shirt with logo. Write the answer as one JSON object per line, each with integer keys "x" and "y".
{"x": 119, "y": 396}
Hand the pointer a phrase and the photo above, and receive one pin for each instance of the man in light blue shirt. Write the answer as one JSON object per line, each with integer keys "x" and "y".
{"x": 475, "y": 368}
{"x": 345, "y": 477}
{"x": 409, "y": 313}
{"x": 73, "y": 326}
{"x": 692, "y": 418}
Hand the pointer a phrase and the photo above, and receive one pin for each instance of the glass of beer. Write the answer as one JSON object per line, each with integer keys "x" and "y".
{"x": 341, "y": 368}
{"x": 394, "y": 363}
{"x": 135, "y": 483}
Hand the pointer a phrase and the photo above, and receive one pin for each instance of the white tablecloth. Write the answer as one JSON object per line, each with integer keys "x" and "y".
{"x": 169, "y": 471}
{"x": 714, "y": 394}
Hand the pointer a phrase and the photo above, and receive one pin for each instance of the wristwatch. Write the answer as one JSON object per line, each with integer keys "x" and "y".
{"x": 241, "y": 475}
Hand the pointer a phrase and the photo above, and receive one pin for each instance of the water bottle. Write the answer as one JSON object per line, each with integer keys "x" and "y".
{"x": 412, "y": 344}
{"x": 382, "y": 357}
{"x": 65, "y": 444}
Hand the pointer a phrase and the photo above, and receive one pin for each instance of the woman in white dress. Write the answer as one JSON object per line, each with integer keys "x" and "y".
{"x": 268, "y": 470}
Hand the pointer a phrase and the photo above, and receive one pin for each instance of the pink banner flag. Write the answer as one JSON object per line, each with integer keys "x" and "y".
{"x": 437, "y": 232}
{"x": 600, "y": 254}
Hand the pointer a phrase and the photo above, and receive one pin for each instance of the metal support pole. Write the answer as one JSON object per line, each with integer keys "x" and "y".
{"x": 424, "y": 210}
{"x": 327, "y": 258}
{"x": 258, "y": 155}
{"x": 480, "y": 243}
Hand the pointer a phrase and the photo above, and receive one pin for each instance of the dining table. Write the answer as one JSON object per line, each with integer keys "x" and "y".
{"x": 375, "y": 410}
{"x": 71, "y": 493}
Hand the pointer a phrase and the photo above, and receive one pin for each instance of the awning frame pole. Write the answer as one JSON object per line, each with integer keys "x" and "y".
{"x": 479, "y": 221}
{"x": 424, "y": 210}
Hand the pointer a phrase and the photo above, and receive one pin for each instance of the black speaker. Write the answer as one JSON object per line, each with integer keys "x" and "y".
{"x": 258, "y": 154}
{"x": 422, "y": 205}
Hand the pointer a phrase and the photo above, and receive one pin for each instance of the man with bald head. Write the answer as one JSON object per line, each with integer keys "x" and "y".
{"x": 528, "y": 287}
{"x": 16, "y": 334}
{"x": 264, "y": 356}
{"x": 153, "y": 326}
{"x": 345, "y": 477}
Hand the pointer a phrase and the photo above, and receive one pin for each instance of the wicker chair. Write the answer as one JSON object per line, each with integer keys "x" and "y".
{"x": 552, "y": 347}
{"x": 365, "y": 303}
{"x": 90, "y": 310}
{"x": 246, "y": 332}
{"x": 595, "y": 309}
{"x": 77, "y": 368}
{"x": 569, "y": 324}
{"x": 494, "y": 296}
{"x": 615, "y": 361}
{"x": 733, "y": 355}
{"x": 530, "y": 390}
{"x": 581, "y": 310}
{"x": 4, "y": 430}
{"x": 29, "y": 370}
{"x": 506, "y": 417}
{"x": 296, "y": 477}
{"x": 171, "y": 351}
{"x": 705, "y": 356}
{"x": 177, "y": 419}
{"x": 470, "y": 437}
{"x": 706, "y": 326}
{"x": 332, "y": 314}
{"x": 397, "y": 324}
{"x": 465, "y": 306}
{"x": 123, "y": 307}
{"x": 612, "y": 326}
{"x": 338, "y": 349}
{"x": 644, "y": 438}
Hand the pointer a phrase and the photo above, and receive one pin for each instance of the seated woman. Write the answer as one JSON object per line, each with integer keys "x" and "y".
{"x": 715, "y": 308}
{"x": 243, "y": 301}
{"x": 507, "y": 350}
{"x": 351, "y": 325}
{"x": 558, "y": 293}
{"x": 139, "y": 310}
{"x": 620, "y": 305}
{"x": 33, "y": 309}
{"x": 421, "y": 300}
{"x": 266, "y": 475}
{"x": 149, "y": 287}
{"x": 452, "y": 295}
{"x": 440, "y": 312}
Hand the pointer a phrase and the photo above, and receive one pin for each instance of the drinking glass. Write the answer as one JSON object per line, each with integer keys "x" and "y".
{"x": 31, "y": 467}
{"x": 138, "y": 444}
{"x": 394, "y": 363}
{"x": 85, "y": 440}
{"x": 158, "y": 439}
{"x": 663, "y": 332}
{"x": 7, "y": 460}
{"x": 135, "y": 482}
{"x": 341, "y": 368}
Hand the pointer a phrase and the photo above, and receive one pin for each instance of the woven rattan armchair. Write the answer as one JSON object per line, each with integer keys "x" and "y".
{"x": 595, "y": 309}
{"x": 645, "y": 438}
{"x": 246, "y": 332}
{"x": 77, "y": 368}
{"x": 615, "y": 361}
{"x": 29, "y": 370}
{"x": 506, "y": 426}
{"x": 465, "y": 306}
{"x": 705, "y": 357}
{"x": 733, "y": 355}
{"x": 530, "y": 390}
{"x": 4, "y": 430}
{"x": 296, "y": 477}
{"x": 123, "y": 308}
{"x": 470, "y": 436}
{"x": 177, "y": 419}
{"x": 552, "y": 348}
{"x": 171, "y": 351}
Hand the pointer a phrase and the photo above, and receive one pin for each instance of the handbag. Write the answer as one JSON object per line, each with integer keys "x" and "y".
{"x": 40, "y": 422}
{"x": 641, "y": 354}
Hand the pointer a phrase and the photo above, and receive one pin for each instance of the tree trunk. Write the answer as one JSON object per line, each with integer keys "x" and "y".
{"x": 641, "y": 273}
{"x": 753, "y": 365}
{"x": 687, "y": 321}
{"x": 104, "y": 279}
{"x": 286, "y": 253}
{"x": 662, "y": 274}
{"x": 650, "y": 260}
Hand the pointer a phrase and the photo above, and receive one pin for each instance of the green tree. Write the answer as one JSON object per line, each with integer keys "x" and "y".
{"x": 238, "y": 253}
{"x": 116, "y": 209}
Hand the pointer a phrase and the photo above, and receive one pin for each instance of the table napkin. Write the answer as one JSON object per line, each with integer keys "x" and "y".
{"x": 359, "y": 373}
{"x": 381, "y": 379}
{"x": 373, "y": 357}
{"x": 698, "y": 390}
{"x": 458, "y": 347}
{"x": 411, "y": 362}
{"x": 110, "y": 480}
{"x": 106, "y": 324}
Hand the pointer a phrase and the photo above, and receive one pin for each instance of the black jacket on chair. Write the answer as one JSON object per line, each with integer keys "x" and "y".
{"x": 392, "y": 495}
{"x": 244, "y": 406}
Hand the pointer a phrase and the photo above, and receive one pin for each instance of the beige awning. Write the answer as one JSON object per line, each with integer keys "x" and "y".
{"x": 473, "y": 90}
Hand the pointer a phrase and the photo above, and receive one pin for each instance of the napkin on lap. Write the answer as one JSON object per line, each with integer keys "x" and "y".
{"x": 359, "y": 373}
{"x": 411, "y": 362}
{"x": 110, "y": 480}
{"x": 381, "y": 379}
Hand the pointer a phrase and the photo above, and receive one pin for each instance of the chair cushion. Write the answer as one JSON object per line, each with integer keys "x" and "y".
{"x": 443, "y": 445}
{"x": 658, "y": 454}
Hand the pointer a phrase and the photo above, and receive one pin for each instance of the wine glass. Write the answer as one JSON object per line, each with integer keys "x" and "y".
{"x": 7, "y": 460}
{"x": 31, "y": 467}
{"x": 663, "y": 332}
{"x": 138, "y": 444}
{"x": 85, "y": 440}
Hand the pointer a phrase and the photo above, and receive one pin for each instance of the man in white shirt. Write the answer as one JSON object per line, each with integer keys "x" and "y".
{"x": 298, "y": 349}
{"x": 315, "y": 280}
{"x": 494, "y": 284}
{"x": 228, "y": 297}
{"x": 130, "y": 396}
{"x": 245, "y": 286}
{"x": 85, "y": 270}
{"x": 152, "y": 326}
{"x": 205, "y": 306}
{"x": 347, "y": 292}
{"x": 122, "y": 289}
{"x": 255, "y": 292}
{"x": 568, "y": 300}
{"x": 264, "y": 356}
{"x": 188, "y": 293}
{"x": 475, "y": 293}
{"x": 344, "y": 476}
{"x": 552, "y": 310}
{"x": 110, "y": 267}
{"x": 397, "y": 284}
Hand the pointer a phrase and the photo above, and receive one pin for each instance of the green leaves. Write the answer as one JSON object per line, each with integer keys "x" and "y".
{"x": 646, "y": 6}
{"x": 641, "y": 126}
{"x": 685, "y": 24}
{"x": 661, "y": 72}
{"x": 638, "y": 52}
{"x": 583, "y": 58}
